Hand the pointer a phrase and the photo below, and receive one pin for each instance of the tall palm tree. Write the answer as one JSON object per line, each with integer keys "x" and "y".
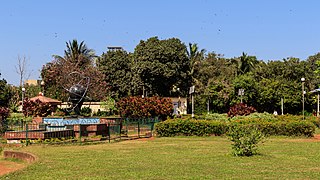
{"x": 195, "y": 57}
{"x": 78, "y": 54}
{"x": 244, "y": 63}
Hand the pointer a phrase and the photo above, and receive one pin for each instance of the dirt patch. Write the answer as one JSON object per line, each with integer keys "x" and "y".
{"x": 317, "y": 137}
{"x": 9, "y": 166}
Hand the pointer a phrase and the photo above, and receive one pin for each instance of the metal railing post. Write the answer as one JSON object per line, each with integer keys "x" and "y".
{"x": 26, "y": 133}
{"x": 138, "y": 128}
{"x": 109, "y": 134}
{"x": 80, "y": 132}
{"x": 120, "y": 125}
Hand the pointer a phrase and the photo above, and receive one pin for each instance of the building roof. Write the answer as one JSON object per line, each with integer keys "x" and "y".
{"x": 46, "y": 100}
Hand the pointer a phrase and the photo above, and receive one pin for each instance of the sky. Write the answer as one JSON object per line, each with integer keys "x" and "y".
{"x": 269, "y": 30}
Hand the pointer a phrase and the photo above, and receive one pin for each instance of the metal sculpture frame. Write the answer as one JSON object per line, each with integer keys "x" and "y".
{"x": 77, "y": 103}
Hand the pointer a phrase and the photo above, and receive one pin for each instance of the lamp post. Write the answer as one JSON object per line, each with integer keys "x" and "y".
{"x": 23, "y": 91}
{"x": 191, "y": 91}
{"x": 302, "y": 81}
{"x": 42, "y": 85}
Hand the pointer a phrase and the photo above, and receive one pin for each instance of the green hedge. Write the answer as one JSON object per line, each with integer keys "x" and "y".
{"x": 179, "y": 127}
{"x": 291, "y": 128}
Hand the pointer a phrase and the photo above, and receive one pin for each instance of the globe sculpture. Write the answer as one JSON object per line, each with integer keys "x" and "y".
{"x": 78, "y": 90}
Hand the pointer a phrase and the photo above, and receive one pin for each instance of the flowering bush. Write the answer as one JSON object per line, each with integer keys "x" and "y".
{"x": 36, "y": 108}
{"x": 241, "y": 109}
{"x": 137, "y": 107}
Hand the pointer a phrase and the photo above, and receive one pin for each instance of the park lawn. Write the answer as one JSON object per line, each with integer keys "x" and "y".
{"x": 174, "y": 158}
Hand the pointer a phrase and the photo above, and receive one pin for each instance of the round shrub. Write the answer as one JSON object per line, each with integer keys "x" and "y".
{"x": 245, "y": 140}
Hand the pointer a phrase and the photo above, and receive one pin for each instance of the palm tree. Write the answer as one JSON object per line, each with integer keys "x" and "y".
{"x": 195, "y": 57}
{"x": 244, "y": 63}
{"x": 78, "y": 54}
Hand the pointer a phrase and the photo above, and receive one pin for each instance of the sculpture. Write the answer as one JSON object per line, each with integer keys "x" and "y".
{"x": 77, "y": 91}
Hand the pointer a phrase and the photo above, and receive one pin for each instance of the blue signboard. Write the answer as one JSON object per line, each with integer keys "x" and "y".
{"x": 62, "y": 121}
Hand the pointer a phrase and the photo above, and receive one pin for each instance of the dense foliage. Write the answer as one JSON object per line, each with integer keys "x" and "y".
{"x": 137, "y": 107}
{"x": 168, "y": 68}
{"x": 240, "y": 109}
{"x": 180, "y": 127}
{"x": 77, "y": 58}
{"x": 5, "y": 93}
{"x": 270, "y": 126}
{"x": 116, "y": 66}
{"x": 36, "y": 108}
{"x": 162, "y": 64}
{"x": 245, "y": 140}
{"x": 4, "y": 113}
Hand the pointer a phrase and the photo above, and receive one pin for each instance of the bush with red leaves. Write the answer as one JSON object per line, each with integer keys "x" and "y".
{"x": 138, "y": 107}
{"x": 240, "y": 109}
{"x": 36, "y": 108}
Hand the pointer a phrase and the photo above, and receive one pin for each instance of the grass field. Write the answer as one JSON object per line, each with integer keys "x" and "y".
{"x": 174, "y": 158}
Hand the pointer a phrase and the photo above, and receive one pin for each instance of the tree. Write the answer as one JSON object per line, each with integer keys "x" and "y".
{"x": 162, "y": 64}
{"x": 77, "y": 58}
{"x": 249, "y": 84}
{"x": 270, "y": 92}
{"x": 282, "y": 79}
{"x": 22, "y": 70}
{"x": 78, "y": 54}
{"x": 244, "y": 63}
{"x": 313, "y": 65}
{"x": 5, "y": 93}
{"x": 116, "y": 66}
{"x": 219, "y": 93}
{"x": 195, "y": 57}
{"x": 213, "y": 81}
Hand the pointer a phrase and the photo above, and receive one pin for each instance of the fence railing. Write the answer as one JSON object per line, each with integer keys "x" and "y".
{"x": 20, "y": 131}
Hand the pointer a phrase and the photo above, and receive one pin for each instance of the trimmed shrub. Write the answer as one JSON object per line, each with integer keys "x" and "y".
{"x": 289, "y": 128}
{"x": 244, "y": 139}
{"x": 179, "y": 127}
{"x": 214, "y": 117}
{"x": 313, "y": 119}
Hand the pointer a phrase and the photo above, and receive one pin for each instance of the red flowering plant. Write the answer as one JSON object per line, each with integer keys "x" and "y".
{"x": 149, "y": 107}
{"x": 240, "y": 109}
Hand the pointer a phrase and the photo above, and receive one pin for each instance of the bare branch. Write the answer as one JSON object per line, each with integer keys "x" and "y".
{"x": 21, "y": 69}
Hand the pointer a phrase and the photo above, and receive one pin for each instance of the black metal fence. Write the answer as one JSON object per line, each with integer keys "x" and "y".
{"x": 138, "y": 127}
{"x": 27, "y": 132}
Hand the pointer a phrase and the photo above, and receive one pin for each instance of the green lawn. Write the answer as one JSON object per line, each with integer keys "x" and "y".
{"x": 174, "y": 158}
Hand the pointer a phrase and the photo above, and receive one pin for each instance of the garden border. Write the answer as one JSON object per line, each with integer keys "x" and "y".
{"x": 28, "y": 157}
